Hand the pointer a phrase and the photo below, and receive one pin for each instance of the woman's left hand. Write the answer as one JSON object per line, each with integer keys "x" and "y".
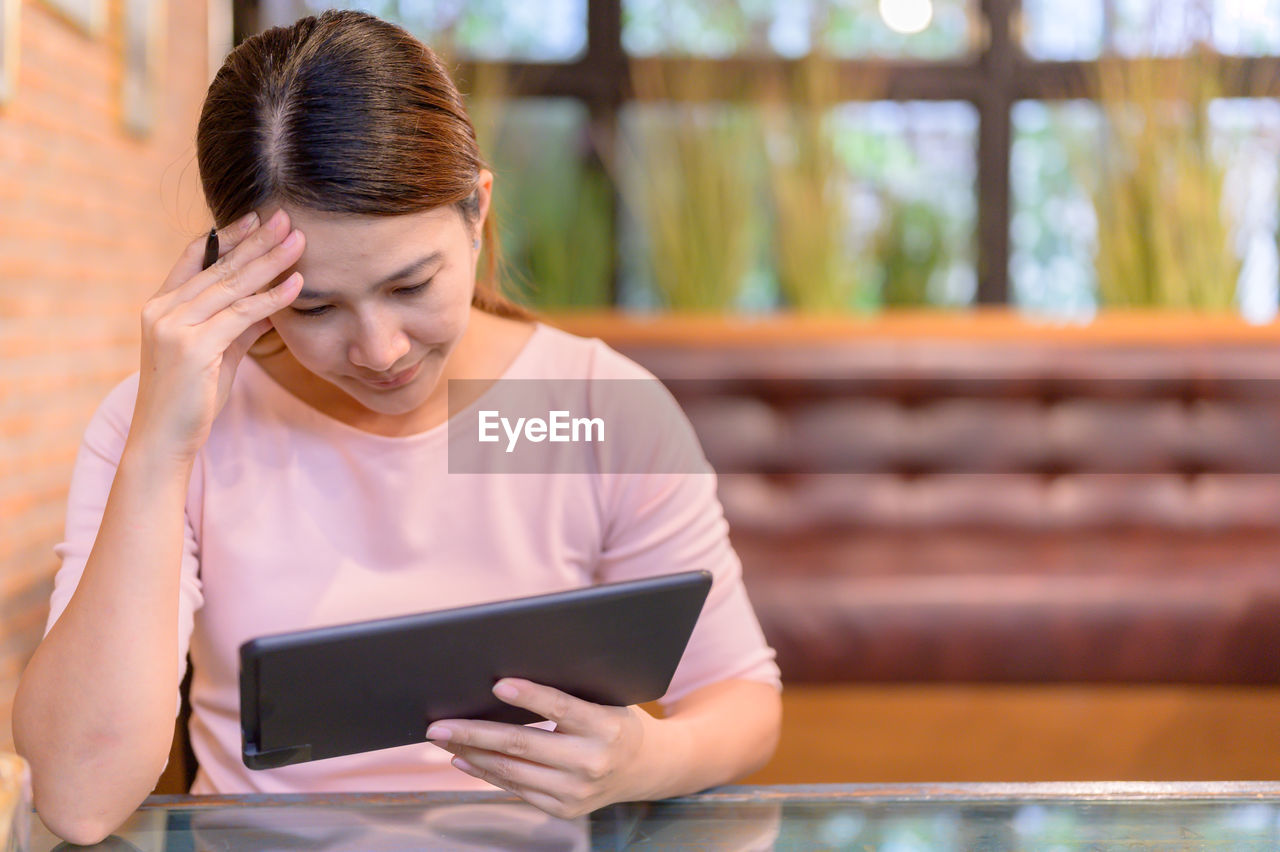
{"x": 597, "y": 755}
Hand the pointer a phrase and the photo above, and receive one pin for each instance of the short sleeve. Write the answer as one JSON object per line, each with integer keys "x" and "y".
{"x": 91, "y": 480}
{"x": 669, "y": 521}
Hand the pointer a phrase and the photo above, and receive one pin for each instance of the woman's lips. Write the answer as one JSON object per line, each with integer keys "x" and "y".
{"x": 399, "y": 379}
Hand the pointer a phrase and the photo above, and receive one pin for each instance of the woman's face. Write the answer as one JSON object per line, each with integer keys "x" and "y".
{"x": 384, "y": 300}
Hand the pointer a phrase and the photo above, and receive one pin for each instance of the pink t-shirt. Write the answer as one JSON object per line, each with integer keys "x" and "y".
{"x": 297, "y": 520}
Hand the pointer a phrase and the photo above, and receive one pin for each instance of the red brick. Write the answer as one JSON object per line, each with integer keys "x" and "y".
{"x": 87, "y": 232}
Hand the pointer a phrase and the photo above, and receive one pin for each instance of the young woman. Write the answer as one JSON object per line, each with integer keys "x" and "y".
{"x": 218, "y": 497}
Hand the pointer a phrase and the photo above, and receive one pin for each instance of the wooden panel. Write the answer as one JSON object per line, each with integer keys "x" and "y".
{"x": 1113, "y": 327}
{"x": 927, "y": 733}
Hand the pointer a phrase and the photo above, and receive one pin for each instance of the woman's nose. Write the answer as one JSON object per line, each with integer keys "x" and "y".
{"x": 379, "y": 345}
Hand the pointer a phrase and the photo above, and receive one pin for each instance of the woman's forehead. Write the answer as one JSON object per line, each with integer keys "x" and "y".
{"x": 344, "y": 251}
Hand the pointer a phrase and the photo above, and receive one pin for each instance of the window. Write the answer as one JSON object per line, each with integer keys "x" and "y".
{"x": 925, "y": 29}
{"x": 546, "y": 31}
{"x": 963, "y": 133}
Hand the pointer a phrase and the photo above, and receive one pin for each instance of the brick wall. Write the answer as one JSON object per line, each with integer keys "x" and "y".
{"x": 91, "y": 219}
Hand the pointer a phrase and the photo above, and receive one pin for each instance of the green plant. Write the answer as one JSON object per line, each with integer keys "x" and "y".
{"x": 818, "y": 269}
{"x": 1164, "y": 238}
{"x": 565, "y": 209}
{"x": 553, "y": 207}
{"x": 910, "y": 247}
{"x": 686, "y": 174}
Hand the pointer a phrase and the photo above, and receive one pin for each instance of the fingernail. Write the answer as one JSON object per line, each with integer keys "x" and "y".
{"x": 505, "y": 690}
{"x": 291, "y": 240}
{"x": 435, "y": 732}
{"x": 463, "y": 765}
{"x": 248, "y": 221}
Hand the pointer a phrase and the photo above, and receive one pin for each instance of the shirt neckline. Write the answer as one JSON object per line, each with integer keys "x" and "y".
{"x": 274, "y": 388}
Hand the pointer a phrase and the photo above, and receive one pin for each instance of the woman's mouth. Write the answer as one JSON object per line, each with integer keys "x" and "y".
{"x": 399, "y": 379}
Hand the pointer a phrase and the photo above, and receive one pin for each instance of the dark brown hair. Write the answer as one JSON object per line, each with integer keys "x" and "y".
{"x": 342, "y": 113}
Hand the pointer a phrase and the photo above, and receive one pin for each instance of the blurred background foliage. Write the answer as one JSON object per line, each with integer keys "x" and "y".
{"x": 553, "y": 200}
{"x": 1160, "y": 191}
{"x": 687, "y": 168}
{"x": 819, "y": 232}
{"x": 1164, "y": 228}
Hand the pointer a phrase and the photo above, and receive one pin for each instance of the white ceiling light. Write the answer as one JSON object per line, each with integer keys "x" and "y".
{"x": 906, "y": 16}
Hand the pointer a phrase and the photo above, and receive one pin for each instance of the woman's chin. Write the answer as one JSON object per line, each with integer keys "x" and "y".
{"x": 402, "y": 399}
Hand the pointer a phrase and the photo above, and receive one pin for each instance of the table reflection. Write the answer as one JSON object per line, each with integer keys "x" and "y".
{"x": 459, "y": 828}
{"x": 948, "y": 818}
{"x": 420, "y": 824}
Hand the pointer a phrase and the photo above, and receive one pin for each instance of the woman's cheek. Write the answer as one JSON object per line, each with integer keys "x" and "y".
{"x": 445, "y": 320}
{"x": 448, "y": 327}
{"x": 304, "y": 344}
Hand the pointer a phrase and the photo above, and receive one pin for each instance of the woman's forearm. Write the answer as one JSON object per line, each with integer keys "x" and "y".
{"x": 94, "y": 709}
{"x": 713, "y": 736}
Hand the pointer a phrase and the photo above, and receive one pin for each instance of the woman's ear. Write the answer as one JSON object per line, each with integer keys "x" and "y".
{"x": 484, "y": 192}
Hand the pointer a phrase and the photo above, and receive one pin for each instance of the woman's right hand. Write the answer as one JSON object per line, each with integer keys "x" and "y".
{"x": 200, "y": 324}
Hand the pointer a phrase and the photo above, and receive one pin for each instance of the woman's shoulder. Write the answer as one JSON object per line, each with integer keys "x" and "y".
{"x": 650, "y": 431}
{"x": 110, "y": 422}
{"x": 555, "y": 353}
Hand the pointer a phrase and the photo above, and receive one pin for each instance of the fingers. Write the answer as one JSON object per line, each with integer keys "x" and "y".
{"x": 540, "y": 787}
{"x": 188, "y": 265}
{"x": 241, "y": 345}
{"x": 249, "y": 267}
{"x": 571, "y": 715}
{"x": 518, "y": 741}
{"x": 501, "y": 770}
{"x": 247, "y": 282}
{"x": 236, "y": 322}
{"x": 563, "y": 772}
{"x": 219, "y": 307}
{"x": 594, "y": 725}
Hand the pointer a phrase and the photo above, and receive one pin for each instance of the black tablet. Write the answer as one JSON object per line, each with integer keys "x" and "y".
{"x": 350, "y": 688}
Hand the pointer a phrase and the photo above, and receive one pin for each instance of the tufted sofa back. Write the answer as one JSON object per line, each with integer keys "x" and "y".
{"x": 961, "y": 510}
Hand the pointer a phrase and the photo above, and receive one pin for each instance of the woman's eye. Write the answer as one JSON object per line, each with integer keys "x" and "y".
{"x": 412, "y": 291}
{"x": 324, "y": 309}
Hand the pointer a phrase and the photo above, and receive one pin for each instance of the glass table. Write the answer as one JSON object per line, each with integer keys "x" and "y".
{"x": 1155, "y": 817}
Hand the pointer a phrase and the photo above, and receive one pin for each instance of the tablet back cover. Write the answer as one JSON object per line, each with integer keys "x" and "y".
{"x": 331, "y": 691}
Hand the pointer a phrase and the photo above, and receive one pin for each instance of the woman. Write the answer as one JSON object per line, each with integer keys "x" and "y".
{"x": 218, "y": 497}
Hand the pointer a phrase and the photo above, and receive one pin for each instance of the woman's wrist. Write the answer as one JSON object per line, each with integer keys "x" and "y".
{"x": 662, "y": 764}
{"x": 714, "y": 736}
{"x": 151, "y": 461}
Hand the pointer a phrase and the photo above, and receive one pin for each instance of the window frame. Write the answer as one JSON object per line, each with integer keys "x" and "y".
{"x": 992, "y": 77}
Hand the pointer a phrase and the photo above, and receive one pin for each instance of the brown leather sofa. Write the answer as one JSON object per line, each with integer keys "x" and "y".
{"x": 955, "y": 528}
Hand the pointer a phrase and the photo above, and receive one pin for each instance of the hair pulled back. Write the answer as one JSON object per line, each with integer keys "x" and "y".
{"x": 342, "y": 113}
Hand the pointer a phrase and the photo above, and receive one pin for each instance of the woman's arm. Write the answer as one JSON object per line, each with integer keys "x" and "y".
{"x": 716, "y": 735}
{"x": 600, "y": 755}
{"x": 94, "y": 709}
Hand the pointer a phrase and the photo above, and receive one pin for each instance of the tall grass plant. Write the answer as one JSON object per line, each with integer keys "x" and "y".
{"x": 819, "y": 269}
{"x": 1164, "y": 233}
{"x": 686, "y": 169}
{"x": 554, "y": 206}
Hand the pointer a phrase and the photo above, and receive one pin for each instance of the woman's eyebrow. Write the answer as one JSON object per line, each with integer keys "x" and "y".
{"x": 410, "y": 270}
